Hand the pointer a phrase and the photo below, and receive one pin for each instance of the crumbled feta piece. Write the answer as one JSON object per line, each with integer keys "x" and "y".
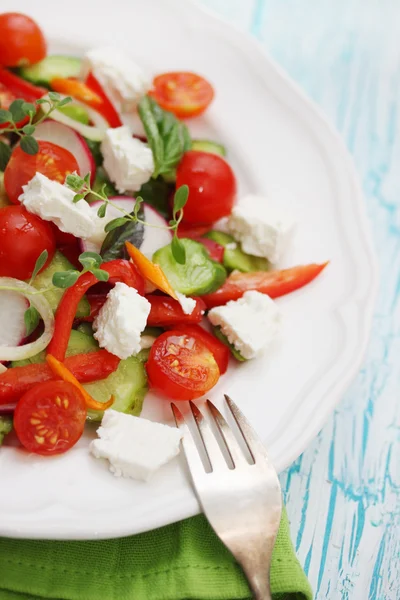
{"x": 121, "y": 320}
{"x": 127, "y": 160}
{"x": 250, "y": 323}
{"x": 134, "y": 447}
{"x": 188, "y": 304}
{"x": 52, "y": 201}
{"x": 122, "y": 80}
{"x": 260, "y": 226}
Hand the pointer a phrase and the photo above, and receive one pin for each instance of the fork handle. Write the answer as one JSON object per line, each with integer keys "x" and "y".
{"x": 259, "y": 584}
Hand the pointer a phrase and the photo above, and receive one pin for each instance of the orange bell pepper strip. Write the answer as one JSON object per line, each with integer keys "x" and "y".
{"x": 65, "y": 374}
{"x": 150, "y": 271}
{"x": 76, "y": 89}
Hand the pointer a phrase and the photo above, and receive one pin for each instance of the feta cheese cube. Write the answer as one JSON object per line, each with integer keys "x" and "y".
{"x": 250, "y": 323}
{"x": 121, "y": 320}
{"x": 260, "y": 226}
{"x": 134, "y": 447}
{"x": 52, "y": 201}
{"x": 122, "y": 80}
{"x": 128, "y": 161}
{"x": 188, "y": 304}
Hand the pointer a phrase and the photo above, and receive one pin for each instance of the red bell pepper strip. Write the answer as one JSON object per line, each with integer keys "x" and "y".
{"x": 273, "y": 283}
{"x": 21, "y": 88}
{"x": 166, "y": 312}
{"x": 106, "y": 108}
{"x": 85, "y": 367}
{"x": 118, "y": 270}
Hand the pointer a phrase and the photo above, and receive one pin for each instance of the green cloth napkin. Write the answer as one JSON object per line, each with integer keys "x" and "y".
{"x": 180, "y": 561}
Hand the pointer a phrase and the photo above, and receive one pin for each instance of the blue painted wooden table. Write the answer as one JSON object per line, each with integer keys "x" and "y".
{"x": 343, "y": 493}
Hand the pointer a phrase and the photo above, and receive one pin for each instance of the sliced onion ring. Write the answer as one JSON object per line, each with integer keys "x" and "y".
{"x": 44, "y": 309}
{"x": 92, "y": 132}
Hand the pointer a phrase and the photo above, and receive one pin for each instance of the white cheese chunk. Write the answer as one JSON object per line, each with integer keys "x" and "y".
{"x": 134, "y": 447}
{"x": 122, "y": 80}
{"x": 261, "y": 227}
{"x": 188, "y": 304}
{"x": 128, "y": 161}
{"x": 52, "y": 201}
{"x": 121, "y": 320}
{"x": 250, "y": 323}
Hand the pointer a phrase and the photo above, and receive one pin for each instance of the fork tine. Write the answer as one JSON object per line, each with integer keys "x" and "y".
{"x": 189, "y": 446}
{"x": 255, "y": 447}
{"x": 211, "y": 446}
{"x": 227, "y": 435}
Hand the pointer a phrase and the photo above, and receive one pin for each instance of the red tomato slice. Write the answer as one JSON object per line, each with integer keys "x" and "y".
{"x": 219, "y": 350}
{"x": 51, "y": 160}
{"x": 49, "y": 418}
{"x": 182, "y": 93}
{"x": 181, "y": 366}
{"x": 212, "y": 187}
{"x": 23, "y": 237}
{"x": 21, "y": 40}
{"x": 215, "y": 250}
{"x": 166, "y": 312}
{"x": 192, "y": 232}
{"x": 273, "y": 283}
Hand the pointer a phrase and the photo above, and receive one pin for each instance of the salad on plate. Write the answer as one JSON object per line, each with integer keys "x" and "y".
{"x": 128, "y": 261}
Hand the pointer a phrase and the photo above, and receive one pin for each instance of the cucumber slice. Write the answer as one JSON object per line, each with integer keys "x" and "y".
{"x": 235, "y": 258}
{"x": 76, "y": 112}
{"x": 222, "y": 337}
{"x": 199, "y": 275}
{"x": 53, "y": 296}
{"x": 49, "y": 68}
{"x": 128, "y": 385}
{"x": 79, "y": 343}
{"x": 85, "y": 328}
{"x": 209, "y": 146}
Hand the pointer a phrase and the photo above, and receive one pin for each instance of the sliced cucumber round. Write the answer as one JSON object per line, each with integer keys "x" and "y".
{"x": 234, "y": 257}
{"x": 49, "y": 68}
{"x": 209, "y": 146}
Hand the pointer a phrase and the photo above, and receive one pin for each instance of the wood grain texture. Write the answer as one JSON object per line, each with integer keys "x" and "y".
{"x": 343, "y": 493}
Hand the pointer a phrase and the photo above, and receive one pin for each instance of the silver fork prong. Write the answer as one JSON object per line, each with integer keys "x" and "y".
{"x": 227, "y": 435}
{"x": 211, "y": 446}
{"x": 255, "y": 447}
{"x": 189, "y": 446}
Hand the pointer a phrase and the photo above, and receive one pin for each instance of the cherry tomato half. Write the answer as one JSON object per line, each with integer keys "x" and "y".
{"x": 50, "y": 417}
{"x": 219, "y": 350}
{"x": 23, "y": 237}
{"x": 51, "y": 160}
{"x": 212, "y": 187}
{"x": 181, "y": 366}
{"x": 21, "y": 40}
{"x": 182, "y": 93}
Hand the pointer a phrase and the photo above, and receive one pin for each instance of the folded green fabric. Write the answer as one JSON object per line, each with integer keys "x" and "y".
{"x": 181, "y": 561}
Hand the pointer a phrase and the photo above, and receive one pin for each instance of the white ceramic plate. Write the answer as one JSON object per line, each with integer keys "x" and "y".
{"x": 274, "y": 135}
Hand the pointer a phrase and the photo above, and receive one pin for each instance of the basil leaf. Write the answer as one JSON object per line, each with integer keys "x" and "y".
{"x": 154, "y": 139}
{"x": 173, "y": 149}
{"x": 114, "y": 243}
{"x": 90, "y": 260}
{"x": 39, "y": 264}
{"x": 156, "y": 192}
{"x": 65, "y": 279}
{"x": 5, "y": 116}
{"x": 5, "y": 155}
{"x": 31, "y": 319}
{"x": 29, "y": 145}
{"x": 186, "y": 139}
{"x": 178, "y": 250}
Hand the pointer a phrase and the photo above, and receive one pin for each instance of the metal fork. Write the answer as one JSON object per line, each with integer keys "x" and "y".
{"x": 243, "y": 501}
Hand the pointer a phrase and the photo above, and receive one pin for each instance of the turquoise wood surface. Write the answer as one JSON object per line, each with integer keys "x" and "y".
{"x": 343, "y": 493}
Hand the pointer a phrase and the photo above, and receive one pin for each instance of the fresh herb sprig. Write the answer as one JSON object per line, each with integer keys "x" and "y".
{"x": 166, "y": 135}
{"x": 18, "y": 112}
{"x": 82, "y": 188}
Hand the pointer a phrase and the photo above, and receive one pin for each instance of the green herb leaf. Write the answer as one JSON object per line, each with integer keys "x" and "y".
{"x": 103, "y": 191}
{"x": 54, "y": 97}
{"x": 65, "y": 279}
{"x": 78, "y": 197}
{"x": 114, "y": 243}
{"x": 29, "y": 145}
{"x": 156, "y": 192}
{"x": 74, "y": 182}
{"x": 31, "y": 319}
{"x": 5, "y": 116}
{"x": 86, "y": 179}
{"x": 178, "y": 250}
{"x": 115, "y": 223}
{"x": 28, "y": 129}
{"x": 102, "y": 210}
{"x": 154, "y": 139}
{"x": 187, "y": 140}
{"x": 137, "y": 207}
{"x": 180, "y": 198}
{"x": 5, "y": 155}
{"x": 64, "y": 101}
{"x": 90, "y": 260}
{"x": 17, "y": 110}
{"x": 29, "y": 108}
{"x": 42, "y": 101}
{"x": 100, "y": 274}
{"x": 39, "y": 264}
{"x": 6, "y": 425}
